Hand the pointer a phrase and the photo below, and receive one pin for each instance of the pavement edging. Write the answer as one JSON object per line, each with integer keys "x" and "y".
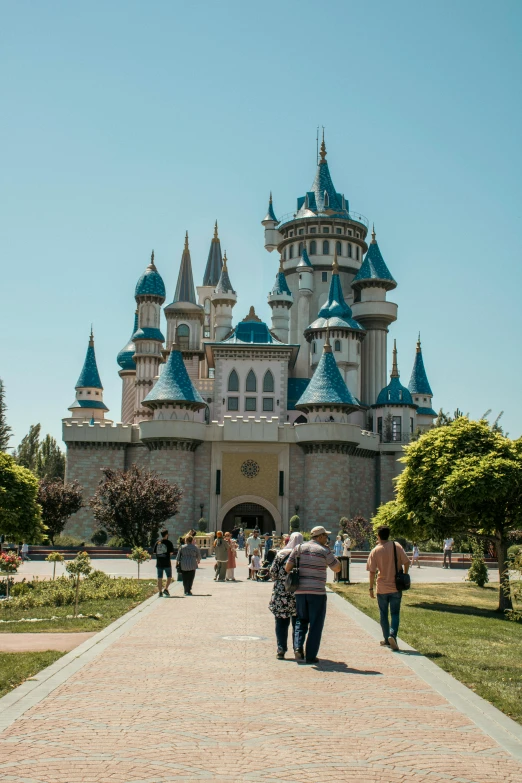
{"x": 503, "y": 730}
{"x": 32, "y": 691}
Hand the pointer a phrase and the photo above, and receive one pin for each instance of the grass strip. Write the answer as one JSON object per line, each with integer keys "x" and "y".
{"x": 16, "y": 667}
{"x": 456, "y": 626}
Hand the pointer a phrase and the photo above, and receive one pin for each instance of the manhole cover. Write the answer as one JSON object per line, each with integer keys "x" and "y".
{"x": 243, "y": 638}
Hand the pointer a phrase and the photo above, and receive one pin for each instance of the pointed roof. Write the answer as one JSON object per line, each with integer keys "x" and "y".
{"x": 214, "y": 260}
{"x": 374, "y": 268}
{"x": 394, "y": 393}
{"x": 174, "y": 385}
{"x": 252, "y": 330}
{"x": 224, "y": 286}
{"x": 185, "y": 288}
{"x": 89, "y": 376}
{"x": 151, "y": 282}
{"x": 336, "y": 312}
{"x": 322, "y": 198}
{"x": 124, "y": 357}
{"x": 280, "y": 285}
{"x": 305, "y": 261}
{"x": 270, "y": 215}
{"x": 419, "y": 383}
{"x": 327, "y": 386}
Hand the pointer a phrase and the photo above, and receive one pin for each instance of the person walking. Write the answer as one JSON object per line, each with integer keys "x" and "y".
{"x": 188, "y": 557}
{"x": 415, "y": 555}
{"x": 314, "y": 559}
{"x": 338, "y": 546}
{"x": 25, "y": 552}
{"x": 382, "y": 559}
{"x": 241, "y": 539}
{"x": 269, "y": 543}
{"x": 163, "y": 549}
{"x": 252, "y": 542}
{"x": 231, "y": 562}
{"x": 221, "y": 549}
{"x": 448, "y": 547}
{"x": 283, "y": 604}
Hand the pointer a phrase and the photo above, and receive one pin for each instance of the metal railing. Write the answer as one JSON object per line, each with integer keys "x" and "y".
{"x": 395, "y": 437}
{"x": 355, "y": 217}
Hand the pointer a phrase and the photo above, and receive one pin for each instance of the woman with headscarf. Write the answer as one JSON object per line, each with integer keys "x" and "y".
{"x": 283, "y": 604}
{"x": 231, "y": 562}
{"x": 221, "y": 549}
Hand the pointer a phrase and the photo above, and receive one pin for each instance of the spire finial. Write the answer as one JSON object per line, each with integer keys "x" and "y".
{"x": 374, "y": 241}
{"x": 395, "y": 371}
{"x": 323, "y": 151}
{"x": 335, "y": 263}
{"x": 152, "y": 265}
{"x": 270, "y": 199}
{"x": 91, "y": 338}
{"x": 224, "y": 268}
{"x": 186, "y": 240}
{"x": 327, "y": 348}
{"x": 216, "y": 230}
{"x": 418, "y": 344}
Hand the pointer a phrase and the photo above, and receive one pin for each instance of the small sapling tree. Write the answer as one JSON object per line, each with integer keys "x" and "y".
{"x": 80, "y": 566}
{"x": 139, "y": 556}
{"x": 54, "y": 557}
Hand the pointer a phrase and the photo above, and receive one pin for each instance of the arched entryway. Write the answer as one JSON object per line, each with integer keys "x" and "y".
{"x": 246, "y": 511}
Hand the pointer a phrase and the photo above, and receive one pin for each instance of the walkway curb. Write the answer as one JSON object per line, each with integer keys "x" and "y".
{"x": 503, "y": 730}
{"x": 32, "y": 691}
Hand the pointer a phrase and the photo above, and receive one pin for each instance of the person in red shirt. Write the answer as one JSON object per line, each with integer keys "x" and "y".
{"x": 382, "y": 561}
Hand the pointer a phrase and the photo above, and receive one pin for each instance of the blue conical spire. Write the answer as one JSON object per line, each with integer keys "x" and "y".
{"x": 327, "y": 386}
{"x": 150, "y": 283}
{"x": 89, "y": 376}
{"x": 374, "y": 267}
{"x": 394, "y": 393}
{"x": 335, "y": 306}
{"x": 270, "y": 215}
{"x": 419, "y": 383}
{"x": 185, "y": 291}
{"x": 224, "y": 286}
{"x": 124, "y": 357}
{"x": 174, "y": 385}
{"x": 214, "y": 260}
{"x": 280, "y": 285}
{"x": 305, "y": 260}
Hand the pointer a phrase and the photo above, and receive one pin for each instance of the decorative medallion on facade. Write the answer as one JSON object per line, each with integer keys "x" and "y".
{"x": 250, "y": 468}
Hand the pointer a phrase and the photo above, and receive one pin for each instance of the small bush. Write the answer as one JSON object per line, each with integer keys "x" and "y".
{"x": 514, "y": 550}
{"x": 478, "y": 572}
{"x": 67, "y": 541}
{"x": 116, "y": 542}
{"x": 99, "y": 537}
{"x": 295, "y": 522}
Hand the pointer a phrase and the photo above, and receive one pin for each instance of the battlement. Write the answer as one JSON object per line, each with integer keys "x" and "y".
{"x": 99, "y": 432}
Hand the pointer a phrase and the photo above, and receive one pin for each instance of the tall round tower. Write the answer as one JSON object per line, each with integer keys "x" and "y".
{"x": 148, "y": 339}
{"x": 223, "y": 300}
{"x": 88, "y": 405}
{"x": 127, "y": 374}
{"x": 281, "y": 300}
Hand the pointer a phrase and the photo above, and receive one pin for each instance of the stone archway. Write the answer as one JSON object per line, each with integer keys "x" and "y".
{"x": 239, "y": 499}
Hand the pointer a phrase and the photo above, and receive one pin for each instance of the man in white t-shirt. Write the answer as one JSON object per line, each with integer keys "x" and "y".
{"x": 448, "y": 546}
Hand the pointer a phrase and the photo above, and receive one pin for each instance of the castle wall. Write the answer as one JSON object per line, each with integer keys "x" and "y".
{"x": 137, "y": 454}
{"x": 175, "y": 462}
{"x": 388, "y": 468}
{"x": 296, "y": 483}
{"x": 202, "y": 481}
{"x": 84, "y": 465}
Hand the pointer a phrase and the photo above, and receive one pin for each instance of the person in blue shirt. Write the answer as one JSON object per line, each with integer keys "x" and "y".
{"x": 338, "y": 546}
{"x": 268, "y": 544}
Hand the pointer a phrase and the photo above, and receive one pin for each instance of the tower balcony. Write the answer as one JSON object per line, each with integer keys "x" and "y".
{"x": 353, "y": 217}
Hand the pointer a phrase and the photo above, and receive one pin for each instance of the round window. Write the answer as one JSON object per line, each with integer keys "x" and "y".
{"x": 250, "y": 468}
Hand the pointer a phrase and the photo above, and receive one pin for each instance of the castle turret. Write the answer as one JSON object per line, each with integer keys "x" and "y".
{"x": 371, "y": 309}
{"x": 88, "y": 405}
{"x": 210, "y": 281}
{"x": 270, "y": 222}
{"x": 327, "y": 397}
{"x": 394, "y": 413}
{"x": 281, "y": 300}
{"x": 305, "y": 271}
{"x": 345, "y": 332}
{"x": 174, "y": 393}
{"x": 223, "y": 300}
{"x": 421, "y": 391}
{"x": 148, "y": 339}
{"x": 185, "y": 317}
{"x": 127, "y": 374}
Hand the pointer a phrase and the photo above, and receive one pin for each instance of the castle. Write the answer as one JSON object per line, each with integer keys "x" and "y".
{"x": 254, "y": 422}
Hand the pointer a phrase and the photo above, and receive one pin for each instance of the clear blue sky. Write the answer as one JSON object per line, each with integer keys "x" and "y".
{"x": 125, "y": 123}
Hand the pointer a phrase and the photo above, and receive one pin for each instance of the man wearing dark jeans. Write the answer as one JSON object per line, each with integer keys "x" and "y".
{"x": 314, "y": 559}
{"x": 382, "y": 560}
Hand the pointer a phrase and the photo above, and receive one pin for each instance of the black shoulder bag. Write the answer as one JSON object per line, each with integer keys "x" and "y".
{"x": 292, "y": 578}
{"x": 402, "y": 580}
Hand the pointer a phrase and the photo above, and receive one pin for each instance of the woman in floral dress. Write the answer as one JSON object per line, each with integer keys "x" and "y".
{"x": 282, "y": 604}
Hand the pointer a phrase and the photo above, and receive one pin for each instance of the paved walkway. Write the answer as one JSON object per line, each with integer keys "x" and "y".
{"x": 177, "y": 698}
{"x": 38, "y": 642}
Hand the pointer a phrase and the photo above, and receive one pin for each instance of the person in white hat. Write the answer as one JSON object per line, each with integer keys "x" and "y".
{"x": 314, "y": 559}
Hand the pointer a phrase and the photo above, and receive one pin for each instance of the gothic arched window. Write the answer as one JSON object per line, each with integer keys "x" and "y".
{"x": 233, "y": 382}
{"x": 313, "y": 247}
{"x": 337, "y": 345}
{"x": 339, "y": 248}
{"x": 349, "y": 250}
{"x": 183, "y": 335}
{"x": 357, "y": 250}
{"x": 291, "y": 252}
{"x": 268, "y": 382}
{"x": 326, "y": 248}
{"x": 251, "y": 382}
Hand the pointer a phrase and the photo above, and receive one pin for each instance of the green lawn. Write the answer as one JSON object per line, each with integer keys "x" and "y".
{"x": 109, "y": 610}
{"x": 17, "y": 667}
{"x": 457, "y": 627}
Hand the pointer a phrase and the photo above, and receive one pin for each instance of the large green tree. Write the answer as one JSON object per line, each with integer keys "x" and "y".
{"x": 5, "y": 429}
{"x": 133, "y": 504}
{"x": 58, "y": 501}
{"x": 50, "y": 463}
{"x": 464, "y": 478}
{"x": 27, "y": 452}
{"x": 20, "y": 514}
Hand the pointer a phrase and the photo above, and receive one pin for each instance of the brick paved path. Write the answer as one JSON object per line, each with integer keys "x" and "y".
{"x": 172, "y": 700}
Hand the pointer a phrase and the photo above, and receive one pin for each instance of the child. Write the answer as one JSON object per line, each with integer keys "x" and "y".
{"x": 255, "y": 565}
{"x": 415, "y": 555}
